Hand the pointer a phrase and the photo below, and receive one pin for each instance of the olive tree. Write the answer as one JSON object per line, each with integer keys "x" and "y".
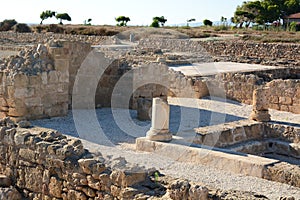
{"x": 63, "y": 16}
{"x": 122, "y": 20}
{"x": 46, "y": 14}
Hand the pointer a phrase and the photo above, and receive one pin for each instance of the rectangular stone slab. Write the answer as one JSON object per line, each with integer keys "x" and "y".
{"x": 225, "y": 160}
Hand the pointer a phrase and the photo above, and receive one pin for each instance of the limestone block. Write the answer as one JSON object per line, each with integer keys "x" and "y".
{"x": 274, "y": 106}
{"x": 284, "y": 108}
{"x": 93, "y": 183}
{"x": 9, "y": 194}
{"x": 197, "y": 192}
{"x": 17, "y": 112}
{"x": 127, "y": 178}
{"x": 285, "y": 100}
{"x": 179, "y": 190}
{"x": 4, "y": 109}
{"x": 274, "y": 99}
{"x": 261, "y": 99}
{"x": 20, "y": 80}
{"x": 88, "y": 191}
{"x": 105, "y": 181}
{"x": 23, "y": 92}
{"x": 63, "y": 77}
{"x": 57, "y": 110}
{"x": 44, "y": 78}
{"x": 295, "y": 108}
{"x": 73, "y": 194}
{"x": 91, "y": 166}
{"x": 33, "y": 177}
{"x": 35, "y": 111}
{"x": 55, "y": 187}
{"x": 62, "y": 65}
{"x": 28, "y": 155}
{"x": 33, "y": 101}
{"x": 261, "y": 116}
{"x": 52, "y": 77}
{"x": 34, "y": 80}
{"x": 62, "y": 88}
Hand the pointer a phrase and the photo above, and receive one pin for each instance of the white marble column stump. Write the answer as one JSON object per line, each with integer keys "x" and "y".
{"x": 160, "y": 121}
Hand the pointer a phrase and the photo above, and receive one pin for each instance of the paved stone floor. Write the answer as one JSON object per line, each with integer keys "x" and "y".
{"x": 206, "y": 69}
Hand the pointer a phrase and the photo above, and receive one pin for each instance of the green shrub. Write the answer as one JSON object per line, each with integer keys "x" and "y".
{"x": 7, "y": 24}
{"x": 54, "y": 28}
{"x": 207, "y": 22}
{"x": 21, "y": 28}
{"x": 221, "y": 28}
{"x": 293, "y": 27}
{"x": 155, "y": 24}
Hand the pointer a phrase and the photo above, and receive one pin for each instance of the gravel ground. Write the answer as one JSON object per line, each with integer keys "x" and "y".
{"x": 4, "y": 54}
{"x": 119, "y": 129}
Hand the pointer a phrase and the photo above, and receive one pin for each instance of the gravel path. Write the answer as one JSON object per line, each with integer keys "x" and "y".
{"x": 120, "y": 128}
{"x": 4, "y": 54}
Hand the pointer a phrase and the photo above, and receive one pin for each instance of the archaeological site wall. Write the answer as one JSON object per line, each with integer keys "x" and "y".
{"x": 40, "y": 84}
{"x": 44, "y": 164}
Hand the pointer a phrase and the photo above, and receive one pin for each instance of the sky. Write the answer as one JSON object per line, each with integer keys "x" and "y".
{"x": 104, "y": 12}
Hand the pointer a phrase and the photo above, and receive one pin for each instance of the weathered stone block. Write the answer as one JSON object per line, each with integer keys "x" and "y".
{"x": 285, "y": 100}
{"x": 127, "y": 178}
{"x": 52, "y": 77}
{"x": 20, "y": 80}
{"x": 33, "y": 101}
{"x": 24, "y": 92}
{"x": 28, "y": 155}
{"x": 55, "y": 187}
{"x": 33, "y": 177}
{"x": 9, "y": 194}
{"x": 35, "y": 80}
{"x": 91, "y": 166}
{"x": 295, "y": 108}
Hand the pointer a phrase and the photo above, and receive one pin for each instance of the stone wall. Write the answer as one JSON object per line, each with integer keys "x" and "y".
{"x": 68, "y": 57}
{"x": 240, "y": 87}
{"x": 11, "y": 38}
{"x": 285, "y": 95}
{"x": 44, "y": 164}
{"x": 279, "y": 54}
{"x": 229, "y": 134}
{"x": 31, "y": 87}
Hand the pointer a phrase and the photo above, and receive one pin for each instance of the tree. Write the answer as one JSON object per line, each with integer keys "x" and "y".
{"x": 122, "y": 20}
{"x": 46, "y": 14}
{"x": 264, "y": 11}
{"x": 190, "y": 20}
{"x": 162, "y": 20}
{"x": 207, "y": 22}
{"x": 63, "y": 16}
{"x": 87, "y": 22}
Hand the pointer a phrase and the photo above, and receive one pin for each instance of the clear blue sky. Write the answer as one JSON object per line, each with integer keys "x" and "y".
{"x": 104, "y": 12}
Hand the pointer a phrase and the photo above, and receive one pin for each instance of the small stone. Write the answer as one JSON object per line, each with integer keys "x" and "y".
{"x": 24, "y": 124}
{"x": 4, "y": 181}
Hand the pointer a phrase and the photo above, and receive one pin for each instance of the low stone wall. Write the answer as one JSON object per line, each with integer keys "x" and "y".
{"x": 229, "y": 134}
{"x": 285, "y": 95}
{"x": 278, "y": 54}
{"x": 11, "y": 38}
{"x": 43, "y": 164}
{"x": 240, "y": 86}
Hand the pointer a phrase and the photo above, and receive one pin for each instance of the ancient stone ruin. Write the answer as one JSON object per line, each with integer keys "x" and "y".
{"x": 47, "y": 78}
